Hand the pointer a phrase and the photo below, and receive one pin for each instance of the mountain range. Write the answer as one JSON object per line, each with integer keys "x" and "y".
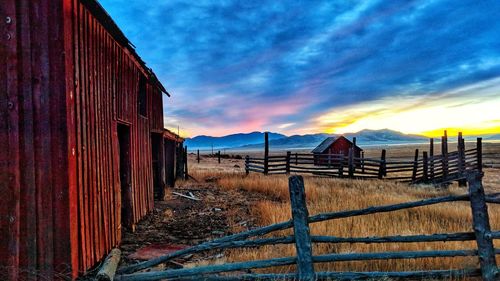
{"x": 255, "y": 140}
{"x": 229, "y": 141}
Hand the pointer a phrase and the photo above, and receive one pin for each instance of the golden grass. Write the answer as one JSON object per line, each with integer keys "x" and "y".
{"x": 326, "y": 195}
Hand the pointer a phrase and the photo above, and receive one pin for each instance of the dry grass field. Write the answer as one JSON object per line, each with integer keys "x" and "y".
{"x": 326, "y": 195}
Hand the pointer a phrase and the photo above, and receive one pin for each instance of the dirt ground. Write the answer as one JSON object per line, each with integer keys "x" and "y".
{"x": 178, "y": 222}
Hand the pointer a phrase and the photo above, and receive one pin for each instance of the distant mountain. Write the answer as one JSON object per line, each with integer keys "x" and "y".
{"x": 364, "y": 137}
{"x": 492, "y": 137}
{"x": 229, "y": 141}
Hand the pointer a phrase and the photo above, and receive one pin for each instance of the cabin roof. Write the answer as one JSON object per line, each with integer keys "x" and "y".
{"x": 109, "y": 24}
{"x": 324, "y": 145}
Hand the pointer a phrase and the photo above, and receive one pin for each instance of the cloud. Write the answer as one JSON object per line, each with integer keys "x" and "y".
{"x": 255, "y": 65}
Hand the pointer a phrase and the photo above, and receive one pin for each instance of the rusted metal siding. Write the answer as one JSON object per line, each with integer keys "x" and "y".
{"x": 66, "y": 82}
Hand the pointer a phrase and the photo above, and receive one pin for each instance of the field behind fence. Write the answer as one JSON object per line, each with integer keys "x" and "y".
{"x": 303, "y": 241}
{"x": 425, "y": 167}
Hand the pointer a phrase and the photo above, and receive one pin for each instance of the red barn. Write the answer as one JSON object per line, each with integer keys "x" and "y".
{"x": 332, "y": 145}
{"x": 82, "y": 141}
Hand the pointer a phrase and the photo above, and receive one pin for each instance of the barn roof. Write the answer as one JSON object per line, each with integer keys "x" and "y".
{"x": 324, "y": 145}
{"x": 172, "y": 136}
{"x": 107, "y": 22}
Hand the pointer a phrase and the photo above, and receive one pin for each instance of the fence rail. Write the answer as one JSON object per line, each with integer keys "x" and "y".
{"x": 424, "y": 168}
{"x": 303, "y": 241}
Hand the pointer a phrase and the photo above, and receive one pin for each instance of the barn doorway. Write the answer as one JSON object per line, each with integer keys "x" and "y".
{"x": 158, "y": 170}
{"x": 125, "y": 175}
{"x": 170, "y": 162}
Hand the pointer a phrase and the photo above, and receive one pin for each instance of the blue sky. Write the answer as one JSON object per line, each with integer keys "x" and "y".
{"x": 320, "y": 66}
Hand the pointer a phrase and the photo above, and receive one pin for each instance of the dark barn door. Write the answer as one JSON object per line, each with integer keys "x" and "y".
{"x": 125, "y": 175}
{"x": 158, "y": 170}
{"x": 170, "y": 162}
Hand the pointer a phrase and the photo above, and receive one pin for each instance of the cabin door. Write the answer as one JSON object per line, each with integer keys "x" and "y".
{"x": 125, "y": 175}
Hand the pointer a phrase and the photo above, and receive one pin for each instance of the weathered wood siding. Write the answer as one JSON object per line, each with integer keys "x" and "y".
{"x": 66, "y": 81}
{"x": 107, "y": 84}
{"x": 35, "y": 159}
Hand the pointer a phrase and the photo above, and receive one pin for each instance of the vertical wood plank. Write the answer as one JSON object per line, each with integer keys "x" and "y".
{"x": 381, "y": 170}
{"x": 479, "y": 148}
{"x": 287, "y": 165}
{"x": 461, "y": 159}
{"x": 481, "y": 225}
{"x": 41, "y": 98}
{"x": 28, "y": 238}
{"x": 350, "y": 162}
{"x": 247, "y": 162}
{"x": 301, "y": 231}
{"x": 431, "y": 156}
{"x": 362, "y": 162}
{"x": 444, "y": 152}
{"x": 186, "y": 173}
{"x": 9, "y": 143}
{"x": 415, "y": 167}
{"x": 266, "y": 153}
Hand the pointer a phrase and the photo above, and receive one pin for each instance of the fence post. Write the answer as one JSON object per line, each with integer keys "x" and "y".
{"x": 381, "y": 169}
{"x": 362, "y": 162}
{"x": 296, "y": 158}
{"x": 247, "y": 162}
{"x": 198, "y": 155}
{"x": 431, "y": 156}
{"x": 426, "y": 167}
{"x": 218, "y": 156}
{"x": 461, "y": 160}
{"x": 481, "y": 225}
{"x": 444, "y": 152}
{"x": 186, "y": 174}
{"x": 350, "y": 162}
{"x": 301, "y": 232}
{"x": 287, "y": 167}
{"x": 415, "y": 167}
{"x": 479, "y": 150}
{"x": 266, "y": 153}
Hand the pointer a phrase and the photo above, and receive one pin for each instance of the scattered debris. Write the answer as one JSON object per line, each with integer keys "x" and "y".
{"x": 186, "y": 196}
{"x": 108, "y": 269}
{"x": 154, "y": 251}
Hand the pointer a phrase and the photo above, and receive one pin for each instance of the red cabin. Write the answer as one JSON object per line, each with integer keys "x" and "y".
{"x": 337, "y": 146}
{"x": 82, "y": 142}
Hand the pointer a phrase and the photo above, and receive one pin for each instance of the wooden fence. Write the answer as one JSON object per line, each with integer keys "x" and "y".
{"x": 425, "y": 168}
{"x": 305, "y": 259}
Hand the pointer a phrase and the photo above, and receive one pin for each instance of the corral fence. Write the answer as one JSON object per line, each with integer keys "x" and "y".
{"x": 305, "y": 259}
{"x": 426, "y": 168}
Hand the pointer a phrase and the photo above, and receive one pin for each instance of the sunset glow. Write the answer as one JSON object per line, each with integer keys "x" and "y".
{"x": 474, "y": 109}
{"x": 321, "y": 66}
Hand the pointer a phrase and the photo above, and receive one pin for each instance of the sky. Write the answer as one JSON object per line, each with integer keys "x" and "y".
{"x": 300, "y": 67}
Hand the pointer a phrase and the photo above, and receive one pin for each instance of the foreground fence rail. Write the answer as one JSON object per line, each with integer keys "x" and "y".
{"x": 303, "y": 241}
{"x": 424, "y": 168}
